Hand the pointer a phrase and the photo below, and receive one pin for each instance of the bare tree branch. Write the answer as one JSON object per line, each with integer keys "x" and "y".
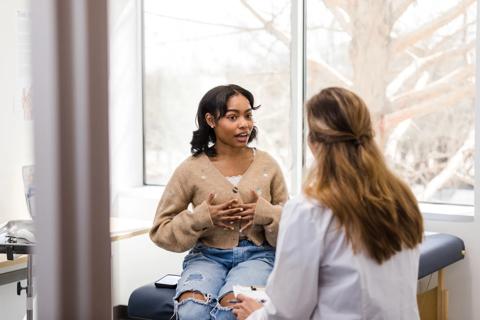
{"x": 466, "y": 179}
{"x": 345, "y": 5}
{"x": 446, "y": 41}
{"x": 442, "y": 101}
{"x": 450, "y": 169}
{"x": 268, "y": 25}
{"x": 400, "y": 9}
{"x": 420, "y": 65}
{"x": 200, "y": 21}
{"x": 328, "y": 74}
{"x": 433, "y": 89}
{"x": 429, "y": 28}
{"x": 394, "y": 139}
{"x": 336, "y": 9}
{"x": 319, "y": 65}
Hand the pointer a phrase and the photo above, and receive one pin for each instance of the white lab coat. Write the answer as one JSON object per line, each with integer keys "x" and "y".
{"x": 317, "y": 276}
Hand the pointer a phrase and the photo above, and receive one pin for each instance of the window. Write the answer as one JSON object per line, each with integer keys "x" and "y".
{"x": 414, "y": 64}
{"x": 188, "y": 52}
{"x": 412, "y": 61}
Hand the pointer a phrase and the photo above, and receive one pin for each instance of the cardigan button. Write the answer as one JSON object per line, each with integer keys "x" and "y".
{"x": 235, "y": 189}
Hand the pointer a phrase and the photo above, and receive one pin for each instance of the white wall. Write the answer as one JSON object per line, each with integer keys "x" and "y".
{"x": 138, "y": 261}
{"x": 15, "y": 132}
{"x": 12, "y": 307}
{"x": 15, "y": 144}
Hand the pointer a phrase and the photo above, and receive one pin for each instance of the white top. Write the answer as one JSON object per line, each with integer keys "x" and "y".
{"x": 317, "y": 276}
{"x": 234, "y": 180}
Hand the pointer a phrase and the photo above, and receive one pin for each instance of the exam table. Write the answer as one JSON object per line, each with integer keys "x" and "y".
{"x": 438, "y": 250}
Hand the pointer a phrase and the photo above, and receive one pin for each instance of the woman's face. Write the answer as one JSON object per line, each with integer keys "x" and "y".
{"x": 235, "y": 127}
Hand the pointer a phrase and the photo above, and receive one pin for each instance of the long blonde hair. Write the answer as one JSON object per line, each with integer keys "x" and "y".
{"x": 377, "y": 210}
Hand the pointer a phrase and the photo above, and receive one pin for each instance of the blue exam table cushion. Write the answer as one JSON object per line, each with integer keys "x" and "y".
{"x": 150, "y": 302}
{"x": 438, "y": 251}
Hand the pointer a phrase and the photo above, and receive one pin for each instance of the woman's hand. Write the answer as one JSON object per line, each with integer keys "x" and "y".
{"x": 248, "y": 211}
{"x": 225, "y": 214}
{"x": 245, "y": 306}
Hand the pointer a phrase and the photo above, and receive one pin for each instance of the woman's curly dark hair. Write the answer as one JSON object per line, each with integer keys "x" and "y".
{"x": 215, "y": 103}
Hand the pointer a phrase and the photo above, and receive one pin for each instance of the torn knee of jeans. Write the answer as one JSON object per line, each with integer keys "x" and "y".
{"x": 202, "y": 302}
{"x": 206, "y": 298}
{"x": 192, "y": 305}
{"x": 225, "y": 300}
{"x": 222, "y": 308}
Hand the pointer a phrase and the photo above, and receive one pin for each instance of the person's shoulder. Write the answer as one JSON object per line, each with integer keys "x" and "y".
{"x": 193, "y": 160}
{"x": 190, "y": 164}
{"x": 303, "y": 207}
{"x": 264, "y": 156}
{"x": 304, "y": 203}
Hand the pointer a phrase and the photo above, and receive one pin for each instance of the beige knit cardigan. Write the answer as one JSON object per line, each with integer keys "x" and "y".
{"x": 176, "y": 228}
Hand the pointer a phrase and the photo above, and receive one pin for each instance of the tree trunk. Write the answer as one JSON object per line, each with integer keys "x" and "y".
{"x": 370, "y": 55}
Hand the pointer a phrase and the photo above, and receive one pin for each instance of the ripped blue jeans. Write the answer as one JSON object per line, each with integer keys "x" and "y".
{"x": 213, "y": 272}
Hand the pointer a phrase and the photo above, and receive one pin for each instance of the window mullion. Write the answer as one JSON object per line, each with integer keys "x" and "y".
{"x": 298, "y": 73}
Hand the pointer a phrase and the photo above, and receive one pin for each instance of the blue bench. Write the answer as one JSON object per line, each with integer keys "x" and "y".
{"x": 437, "y": 251}
{"x": 150, "y": 302}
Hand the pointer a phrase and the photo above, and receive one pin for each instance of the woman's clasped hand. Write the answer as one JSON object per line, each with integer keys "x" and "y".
{"x": 228, "y": 213}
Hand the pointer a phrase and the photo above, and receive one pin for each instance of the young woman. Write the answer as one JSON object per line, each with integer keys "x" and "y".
{"x": 348, "y": 247}
{"x": 237, "y": 194}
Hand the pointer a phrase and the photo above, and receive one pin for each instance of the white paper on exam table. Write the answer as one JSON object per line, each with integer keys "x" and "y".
{"x": 254, "y": 292}
{"x": 21, "y": 229}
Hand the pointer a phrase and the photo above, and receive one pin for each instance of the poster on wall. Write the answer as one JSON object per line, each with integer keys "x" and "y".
{"x": 23, "y": 96}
